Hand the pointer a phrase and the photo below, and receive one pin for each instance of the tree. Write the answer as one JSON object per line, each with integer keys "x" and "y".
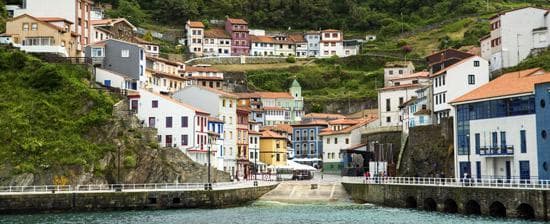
{"x": 148, "y": 36}
{"x": 130, "y": 10}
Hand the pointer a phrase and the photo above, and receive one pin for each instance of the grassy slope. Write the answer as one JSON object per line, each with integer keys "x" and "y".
{"x": 47, "y": 110}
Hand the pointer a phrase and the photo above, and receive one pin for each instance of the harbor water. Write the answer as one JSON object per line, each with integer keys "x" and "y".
{"x": 265, "y": 212}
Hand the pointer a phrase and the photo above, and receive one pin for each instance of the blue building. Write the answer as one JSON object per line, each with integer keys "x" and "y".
{"x": 307, "y": 144}
{"x": 500, "y": 128}
{"x": 215, "y": 126}
{"x": 542, "y": 99}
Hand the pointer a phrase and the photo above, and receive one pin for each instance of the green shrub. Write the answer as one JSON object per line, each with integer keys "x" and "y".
{"x": 291, "y": 59}
{"x": 130, "y": 161}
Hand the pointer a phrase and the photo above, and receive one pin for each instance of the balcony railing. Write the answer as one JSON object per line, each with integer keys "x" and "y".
{"x": 503, "y": 150}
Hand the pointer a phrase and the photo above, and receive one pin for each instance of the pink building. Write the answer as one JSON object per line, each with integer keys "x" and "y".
{"x": 240, "y": 39}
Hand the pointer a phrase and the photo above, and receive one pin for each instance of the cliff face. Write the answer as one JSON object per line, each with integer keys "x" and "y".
{"x": 131, "y": 151}
{"x": 429, "y": 151}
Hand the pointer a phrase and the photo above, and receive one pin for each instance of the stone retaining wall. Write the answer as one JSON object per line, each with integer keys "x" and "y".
{"x": 130, "y": 200}
{"x": 516, "y": 202}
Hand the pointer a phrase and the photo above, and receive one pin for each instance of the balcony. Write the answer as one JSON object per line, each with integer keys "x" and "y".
{"x": 44, "y": 49}
{"x": 504, "y": 150}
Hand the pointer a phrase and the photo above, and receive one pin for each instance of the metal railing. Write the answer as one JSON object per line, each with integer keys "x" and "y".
{"x": 127, "y": 187}
{"x": 497, "y": 150}
{"x": 516, "y": 183}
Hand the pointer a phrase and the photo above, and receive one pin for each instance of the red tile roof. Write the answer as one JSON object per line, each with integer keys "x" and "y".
{"x": 60, "y": 29}
{"x": 452, "y": 66}
{"x": 297, "y": 38}
{"x": 200, "y": 69}
{"x": 324, "y": 116}
{"x": 275, "y": 95}
{"x": 405, "y": 86}
{"x": 195, "y": 24}
{"x": 214, "y": 119}
{"x": 509, "y": 84}
{"x": 261, "y": 39}
{"x": 166, "y": 75}
{"x": 216, "y": 33}
{"x": 271, "y": 134}
{"x": 422, "y": 74}
{"x": 312, "y": 123}
{"x": 237, "y": 21}
{"x": 362, "y": 122}
{"x": 53, "y": 19}
{"x": 247, "y": 95}
{"x": 345, "y": 121}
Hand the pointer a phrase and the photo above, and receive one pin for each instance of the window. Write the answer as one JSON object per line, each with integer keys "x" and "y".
{"x": 477, "y": 142}
{"x": 495, "y": 139}
{"x": 347, "y": 140}
{"x": 503, "y": 140}
{"x": 125, "y": 53}
{"x": 443, "y": 79}
{"x": 184, "y": 140}
{"x": 476, "y": 63}
{"x": 400, "y": 71}
{"x": 388, "y": 119}
{"x": 155, "y": 103}
{"x": 223, "y": 103}
{"x": 335, "y": 140}
{"x": 168, "y": 122}
{"x": 390, "y": 72}
{"x": 471, "y": 79}
{"x": 184, "y": 122}
{"x": 311, "y": 135}
{"x": 278, "y": 157}
{"x": 388, "y": 104}
{"x": 328, "y": 141}
{"x": 400, "y": 101}
{"x": 25, "y": 27}
{"x": 34, "y": 26}
{"x": 523, "y": 139}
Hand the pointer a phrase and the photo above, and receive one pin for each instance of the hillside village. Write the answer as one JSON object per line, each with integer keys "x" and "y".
{"x": 496, "y": 121}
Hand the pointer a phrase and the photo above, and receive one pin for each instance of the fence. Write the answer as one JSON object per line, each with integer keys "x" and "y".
{"x": 513, "y": 182}
{"x": 127, "y": 187}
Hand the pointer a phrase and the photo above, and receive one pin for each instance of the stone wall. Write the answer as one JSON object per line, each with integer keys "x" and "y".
{"x": 23, "y": 203}
{"x": 516, "y": 202}
{"x": 236, "y": 60}
{"x": 429, "y": 151}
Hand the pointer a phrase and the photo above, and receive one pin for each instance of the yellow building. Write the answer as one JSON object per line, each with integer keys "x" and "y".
{"x": 43, "y": 35}
{"x": 273, "y": 149}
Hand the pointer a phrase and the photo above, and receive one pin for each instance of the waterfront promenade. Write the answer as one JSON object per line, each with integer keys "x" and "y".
{"x": 30, "y": 199}
{"x": 516, "y": 198}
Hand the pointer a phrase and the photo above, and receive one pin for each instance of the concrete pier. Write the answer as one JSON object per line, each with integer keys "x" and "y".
{"x": 497, "y": 202}
{"x": 130, "y": 200}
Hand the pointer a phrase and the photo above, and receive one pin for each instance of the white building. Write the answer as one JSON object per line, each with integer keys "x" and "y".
{"x": 301, "y": 45}
{"x": 221, "y": 105}
{"x": 397, "y": 69}
{"x": 500, "y": 128}
{"x": 195, "y": 37}
{"x": 217, "y": 42}
{"x": 254, "y": 135}
{"x": 262, "y": 46}
{"x": 341, "y": 135}
{"x": 516, "y": 34}
{"x": 418, "y": 110}
{"x": 399, "y": 90}
{"x": 76, "y": 11}
{"x": 117, "y": 80}
{"x": 456, "y": 80}
{"x": 332, "y": 43}
{"x": 178, "y": 125}
{"x": 284, "y": 46}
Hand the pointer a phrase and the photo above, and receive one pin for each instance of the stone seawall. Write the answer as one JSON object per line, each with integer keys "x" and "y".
{"x": 89, "y": 201}
{"x": 498, "y": 202}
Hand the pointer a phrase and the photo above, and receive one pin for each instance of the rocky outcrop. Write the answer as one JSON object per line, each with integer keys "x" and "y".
{"x": 429, "y": 151}
{"x": 131, "y": 155}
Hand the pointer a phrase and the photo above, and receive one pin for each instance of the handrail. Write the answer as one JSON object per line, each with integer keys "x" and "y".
{"x": 126, "y": 187}
{"x": 512, "y": 182}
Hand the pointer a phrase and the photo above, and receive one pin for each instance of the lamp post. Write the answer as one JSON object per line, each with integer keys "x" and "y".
{"x": 209, "y": 184}
{"x": 119, "y": 145}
